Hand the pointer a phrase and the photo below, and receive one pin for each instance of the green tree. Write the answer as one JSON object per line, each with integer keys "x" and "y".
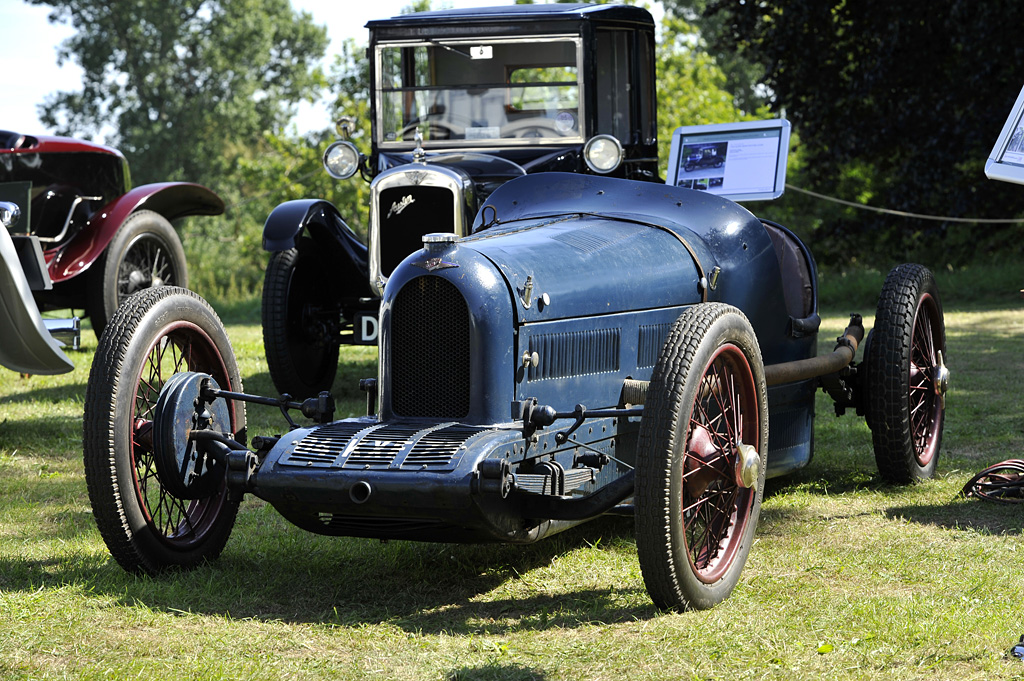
{"x": 183, "y": 87}
{"x": 692, "y": 88}
{"x": 280, "y": 166}
{"x": 743, "y": 77}
{"x": 895, "y": 103}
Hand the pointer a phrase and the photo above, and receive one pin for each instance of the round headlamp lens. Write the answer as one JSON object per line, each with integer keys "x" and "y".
{"x": 603, "y": 153}
{"x": 341, "y": 160}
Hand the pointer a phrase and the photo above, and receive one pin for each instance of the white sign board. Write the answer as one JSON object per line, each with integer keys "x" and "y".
{"x": 1006, "y": 162}
{"x": 741, "y": 161}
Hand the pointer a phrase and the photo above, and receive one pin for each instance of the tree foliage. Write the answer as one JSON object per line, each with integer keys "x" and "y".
{"x": 894, "y": 103}
{"x": 692, "y": 88}
{"x": 181, "y": 87}
{"x": 743, "y": 77}
{"x": 280, "y": 166}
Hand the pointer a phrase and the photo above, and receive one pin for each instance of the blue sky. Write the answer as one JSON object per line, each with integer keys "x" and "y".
{"x": 29, "y": 57}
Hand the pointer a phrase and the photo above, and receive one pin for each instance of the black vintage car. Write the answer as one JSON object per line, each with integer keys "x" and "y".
{"x": 462, "y": 102}
{"x": 586, "y": 345}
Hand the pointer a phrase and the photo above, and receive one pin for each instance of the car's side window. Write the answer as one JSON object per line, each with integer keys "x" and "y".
{"x": 613, "y": 83}
{"x": 647, "y": 101}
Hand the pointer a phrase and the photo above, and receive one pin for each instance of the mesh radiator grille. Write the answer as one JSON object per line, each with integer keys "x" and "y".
{"x": 430, "y": 375}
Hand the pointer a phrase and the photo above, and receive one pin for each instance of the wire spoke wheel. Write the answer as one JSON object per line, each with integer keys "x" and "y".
{"x": 146, "y": 263}
{"x": 144, "y": 253}
{"x": 1002, "y": 482}
{"x": 154, "y": 335}
{"x": 907, "y": 377}
{"x": 178, "y": 522}
{"x": 926, "y": 397}
{"x": 701, "y": 459}
{"x": 713, "y": 502}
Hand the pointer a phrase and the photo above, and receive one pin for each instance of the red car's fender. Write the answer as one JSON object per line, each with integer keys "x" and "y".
{"x": 170, "y": 199}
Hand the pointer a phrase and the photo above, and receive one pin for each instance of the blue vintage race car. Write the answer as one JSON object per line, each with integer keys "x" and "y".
{"x": 589, "y": 345}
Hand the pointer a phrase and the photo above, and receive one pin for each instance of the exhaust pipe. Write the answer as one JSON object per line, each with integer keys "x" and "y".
{"x": 846, "y": 350}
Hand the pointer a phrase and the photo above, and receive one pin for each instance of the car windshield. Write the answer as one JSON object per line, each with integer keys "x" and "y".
{"x": 479, "y": 92}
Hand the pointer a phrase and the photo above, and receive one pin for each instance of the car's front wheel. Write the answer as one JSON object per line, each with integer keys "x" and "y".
{"x": 147, "y": 526}
{"x": 300, "y": 324}
{"x": 701, "y": 459}
{"x": 146, "y": 252}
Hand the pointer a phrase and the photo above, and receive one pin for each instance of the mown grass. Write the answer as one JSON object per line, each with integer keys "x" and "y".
{"x": 849, "y": 577}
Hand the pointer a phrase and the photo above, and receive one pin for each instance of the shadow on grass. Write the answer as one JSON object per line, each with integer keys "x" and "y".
{"x": 983, "y": 517}
{"x": 496, "y": 672}
{"x": 59, "y": 393}
{"x": 48, "y": 437}
{"x": 284, "y": 574}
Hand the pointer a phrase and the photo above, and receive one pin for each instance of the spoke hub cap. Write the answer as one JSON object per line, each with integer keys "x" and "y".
{"x": 940, "y": 379}
{"x": 748, "y": 466}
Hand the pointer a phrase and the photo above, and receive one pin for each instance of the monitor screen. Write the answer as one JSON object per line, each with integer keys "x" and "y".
{"x": 1006, "y": 162}
{"x": 741, "y": 161}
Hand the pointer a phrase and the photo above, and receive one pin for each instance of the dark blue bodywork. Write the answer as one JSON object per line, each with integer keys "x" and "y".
{"x": 565, "y": 296}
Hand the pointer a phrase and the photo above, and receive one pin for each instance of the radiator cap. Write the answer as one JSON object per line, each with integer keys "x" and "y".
{"x": 439, "y": 241}
{"x": 440, "y": 238}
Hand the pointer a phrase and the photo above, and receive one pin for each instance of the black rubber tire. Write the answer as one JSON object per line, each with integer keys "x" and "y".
{"x": 904, "y": 408}
{"x": 156, "y": 333}
{"x": 301, "y": 356}
{"x": 145, "y": 252}
{"x": 676, "y": 487}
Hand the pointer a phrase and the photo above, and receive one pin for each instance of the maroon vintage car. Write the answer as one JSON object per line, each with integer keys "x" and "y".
{"x": 85, "y": 238}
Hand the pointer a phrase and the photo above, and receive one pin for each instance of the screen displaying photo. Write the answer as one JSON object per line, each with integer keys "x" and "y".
{"x": 739, "y": 161}
{"x": 745, "y": 161}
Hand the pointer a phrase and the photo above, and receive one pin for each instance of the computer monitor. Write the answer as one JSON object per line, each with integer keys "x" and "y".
{"x": 743, "y": 161}
{"x": 1006, "y": 162}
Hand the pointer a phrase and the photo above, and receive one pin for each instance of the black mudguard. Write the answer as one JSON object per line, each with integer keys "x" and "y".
{"x": 331, "y": 236}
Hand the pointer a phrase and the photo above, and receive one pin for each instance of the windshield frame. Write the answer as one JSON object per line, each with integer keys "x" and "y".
{"x": 463, "y": 44}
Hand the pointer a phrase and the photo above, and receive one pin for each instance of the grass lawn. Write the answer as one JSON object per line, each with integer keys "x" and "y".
{"x": 849, "y": 577}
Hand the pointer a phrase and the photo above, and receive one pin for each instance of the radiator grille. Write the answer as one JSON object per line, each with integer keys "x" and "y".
{"x": 323, "y": 446}
{"x": 395, "y": 446}
{"x": 438, "y": 447}
{"x": 406, "y": 214}
{"x": 430, "y": 374}
{"x": 380, "y": 447}
{"x": 575, "y": 353}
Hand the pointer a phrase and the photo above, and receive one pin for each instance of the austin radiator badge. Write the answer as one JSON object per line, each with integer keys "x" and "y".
{"x": 434, "y": 264}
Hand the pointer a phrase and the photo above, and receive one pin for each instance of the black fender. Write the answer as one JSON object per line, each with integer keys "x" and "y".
{"x": 332, "y": 238}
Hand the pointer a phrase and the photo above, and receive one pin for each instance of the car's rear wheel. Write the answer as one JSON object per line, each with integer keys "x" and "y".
{"x": 906, "y": 376}
{"x": 146, "y": 252}
{"x": 701, "y": 459}
{"x": 300, "y": 324}
{"x": 154, "y": 335}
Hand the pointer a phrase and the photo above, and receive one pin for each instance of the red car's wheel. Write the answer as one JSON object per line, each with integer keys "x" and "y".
{"x": 146, "y": 252}
{"x": 701, "y": 459}
{"x": 155, "y": 334}
{"x": 907, "y": 377}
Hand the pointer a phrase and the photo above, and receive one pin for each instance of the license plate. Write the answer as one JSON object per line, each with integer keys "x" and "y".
{"x": 366, "y": 328}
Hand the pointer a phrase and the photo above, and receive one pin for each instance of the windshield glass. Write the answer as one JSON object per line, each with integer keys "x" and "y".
{"x": 479, "y": 93}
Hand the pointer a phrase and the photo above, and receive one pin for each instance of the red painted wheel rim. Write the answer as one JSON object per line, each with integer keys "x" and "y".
{"x": 178, "y": 523}
{"x": 716, "y": 508}
{"x": 925, "y": 403}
